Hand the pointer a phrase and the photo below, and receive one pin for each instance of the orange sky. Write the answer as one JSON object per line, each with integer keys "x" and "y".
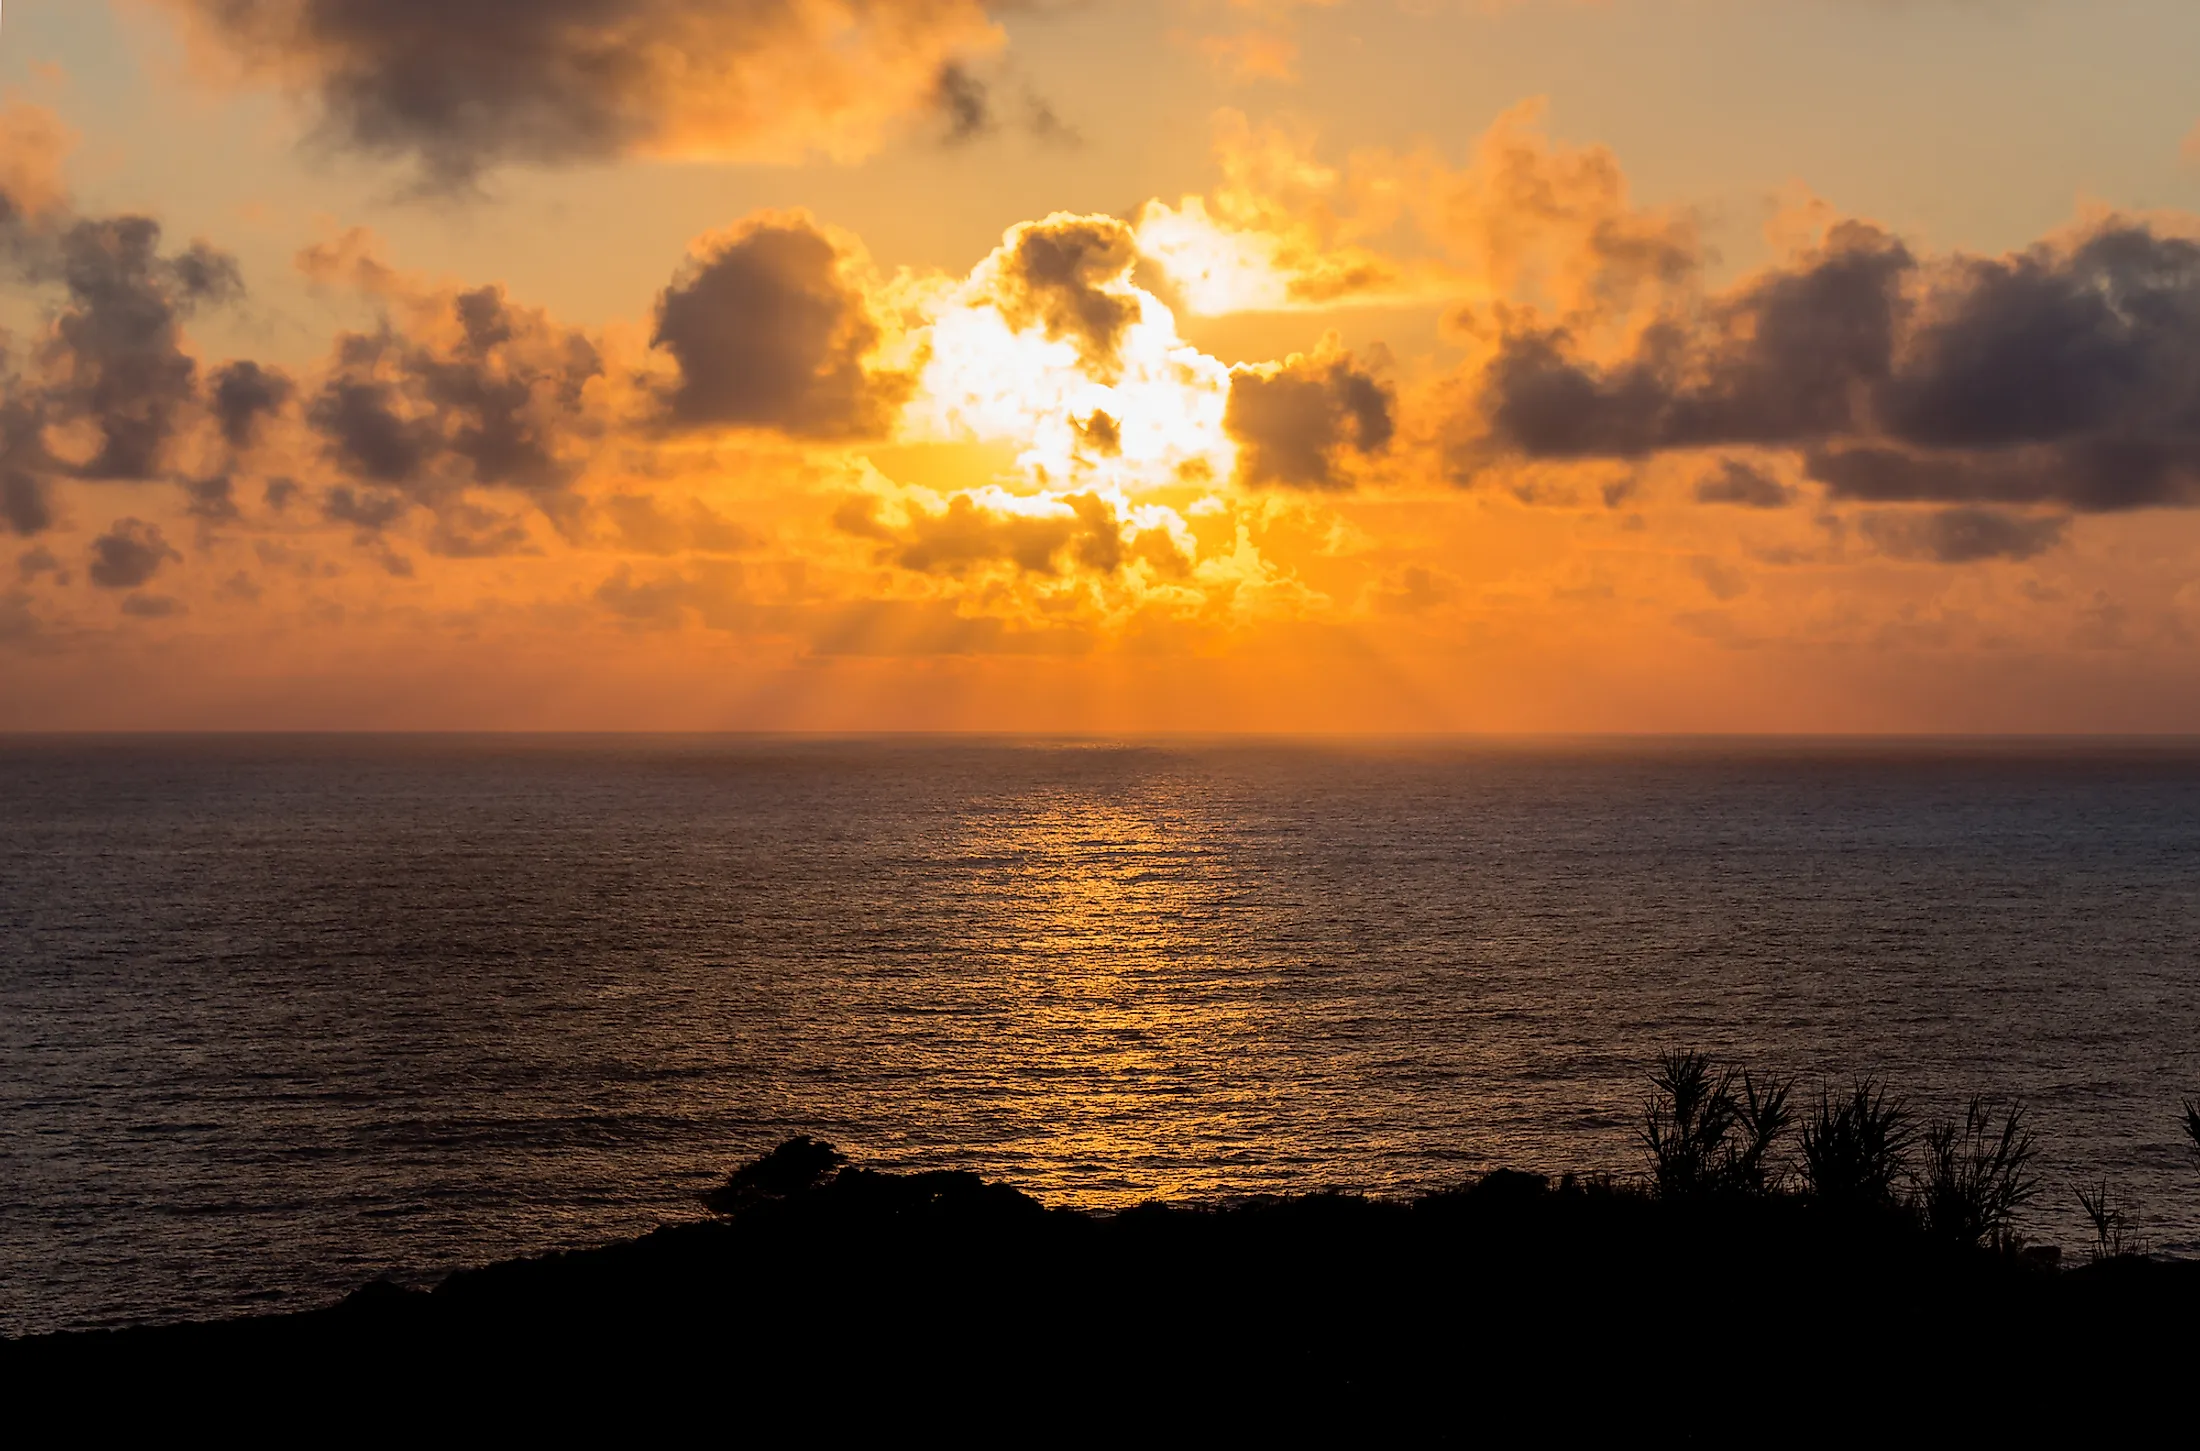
{"x": 1154, "y": 365}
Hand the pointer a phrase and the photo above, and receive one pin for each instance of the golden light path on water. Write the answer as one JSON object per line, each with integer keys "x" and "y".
{"x": 402, "y": 1006}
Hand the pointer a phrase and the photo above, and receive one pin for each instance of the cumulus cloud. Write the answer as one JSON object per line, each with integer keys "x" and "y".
{"x": 1281, "y": 230}
{"x": 243, "y": 395}
{"x": 114, "y": 356}
{"x": 457, "y": 86}
{"x": 26, "y": 503}
{"x": 1047, "y": 536}
{"x": 2068, "y": 374}
{"x": 1080, "y": 530}
{"x": 128, "y": 554}
{"x": 1778, "y": 361}
{"x": 110, "y": 382}
{"x": 770, "y": 329}
{"x": 477, "y": 392}
{"x": 212, "y": 500}
{"x": 1295, "y": 421}
{"x": 1051, "y": 345}
{"x": 1070, "y": 276}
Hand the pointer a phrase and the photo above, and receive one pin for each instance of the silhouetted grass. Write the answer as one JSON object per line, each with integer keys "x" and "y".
{"x": 2112, "y": 1232}
{"x": 1977, "y": 1175}
{"x": 1712, "y": 1131}
{"x": 1855, "y": 1148}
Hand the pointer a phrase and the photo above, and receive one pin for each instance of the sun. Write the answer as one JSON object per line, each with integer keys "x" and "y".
{"x": 1051, "y": 347}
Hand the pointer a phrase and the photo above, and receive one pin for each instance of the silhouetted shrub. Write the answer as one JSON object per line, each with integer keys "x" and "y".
{"x": 1765, "y": 1116}
{"x": 1975, "y": 1175}
{"x": 1711, "y": 1131}
{"x": 2192, "y": 1123}
{"x": 1856, "y": 1147}
{"x": 2112, "y": 1235}
{"x": 796, "y": 1166}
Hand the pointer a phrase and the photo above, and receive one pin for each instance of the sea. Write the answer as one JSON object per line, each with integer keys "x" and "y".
{"x": 282, "y": 1015}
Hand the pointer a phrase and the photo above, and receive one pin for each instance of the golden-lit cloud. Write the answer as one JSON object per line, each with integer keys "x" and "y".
{"x": 457, "y": 86}
{"x": 805, "y": 489}
{"x": 33, "y": 146}
{"x": 1050, "y": 346}
{"x": 1282, "y": 230}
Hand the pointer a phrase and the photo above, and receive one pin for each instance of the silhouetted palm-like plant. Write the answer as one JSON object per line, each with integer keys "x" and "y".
{"x": 1764, "y": 1116}
{"x": 1712, "y": 1130}
{"x": 1856, "y": 1146}
{"x": 1976, "y": 1175}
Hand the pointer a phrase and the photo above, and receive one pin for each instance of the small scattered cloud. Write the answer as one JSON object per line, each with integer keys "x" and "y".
{"x": 1963, "y": 535}
{"x": 130, "y": 553}
{"x": 1745, "y": 485}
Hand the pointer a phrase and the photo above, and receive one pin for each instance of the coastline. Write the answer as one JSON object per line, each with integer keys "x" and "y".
{"x": 875, "y": 1288}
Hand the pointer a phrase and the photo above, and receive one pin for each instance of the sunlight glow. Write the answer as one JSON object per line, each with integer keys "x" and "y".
{"x": 1153, "y": 419}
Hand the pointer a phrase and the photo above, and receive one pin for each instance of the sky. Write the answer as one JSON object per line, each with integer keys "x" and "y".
{"x": 1100, "y": 365}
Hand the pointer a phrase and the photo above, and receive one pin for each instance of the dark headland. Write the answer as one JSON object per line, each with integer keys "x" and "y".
{"x": 1690, "y": 1305}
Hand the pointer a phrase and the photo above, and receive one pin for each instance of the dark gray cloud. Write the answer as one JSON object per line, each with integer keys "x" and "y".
{"x": 212, "y": 500}
{"x": 770, "y": 332}
{"x": 26, "y": 502}
{"x": 110, "y": 360}
{"x": 491, "y": 396}
{"x": 965, "y": 103}
{"x": 1744, "y": 484}
{"x": 369, "y": 512}
{"x": 1963, "y": 535}
{"x": 2066, "y": 375}
{"x": 1293, "y": 424}
{"x": 128, "y": 554}
{"x": 970, "y": 108}
{"x": 115, "y": 354}
{"x": 242, "y": 395}
{"x": 1780, "y": 360}
{"x": 457, "y": 86}
{"x": 1055, "y": 274}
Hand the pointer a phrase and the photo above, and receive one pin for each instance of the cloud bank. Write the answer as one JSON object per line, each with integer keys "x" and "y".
{"x": 455, "y": 87}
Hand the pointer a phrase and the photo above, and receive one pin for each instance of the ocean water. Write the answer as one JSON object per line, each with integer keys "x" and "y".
{"x": 279, "y": 1015}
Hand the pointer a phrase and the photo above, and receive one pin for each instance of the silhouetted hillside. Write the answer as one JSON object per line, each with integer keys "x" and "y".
{"x": 824, "y": 1294}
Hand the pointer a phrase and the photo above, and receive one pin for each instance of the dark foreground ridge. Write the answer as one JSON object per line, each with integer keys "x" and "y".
{"x": 820, "y": 1294}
